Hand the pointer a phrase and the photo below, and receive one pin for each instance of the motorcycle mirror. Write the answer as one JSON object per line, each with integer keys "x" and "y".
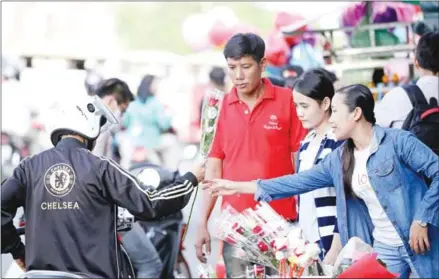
{"x": 190, "y": 151}
{"x": 149, "y": 177}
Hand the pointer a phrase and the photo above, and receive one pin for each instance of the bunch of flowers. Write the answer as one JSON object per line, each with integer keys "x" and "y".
{"x": 209, "y": 117}
{"x": 265, "y": 238}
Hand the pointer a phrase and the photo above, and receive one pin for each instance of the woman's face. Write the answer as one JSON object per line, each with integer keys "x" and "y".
{"x": 310, "y": 112}
{"x": 342, "y": 121}
{"x": 154, "y": 86}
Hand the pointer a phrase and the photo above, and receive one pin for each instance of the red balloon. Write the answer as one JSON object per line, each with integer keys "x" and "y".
{"x": 277, "y": 50}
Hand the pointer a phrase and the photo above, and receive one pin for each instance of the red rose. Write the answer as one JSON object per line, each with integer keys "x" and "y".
{"x": 213, "y": 102}
{"x": 262, "y": 246}
{"x": 272, "y": 243}
{"x": 230, "y": 240}
{"x": 259, "y": 270}
{"x": 237, "y": 228}
{"x": 258, "y": 231}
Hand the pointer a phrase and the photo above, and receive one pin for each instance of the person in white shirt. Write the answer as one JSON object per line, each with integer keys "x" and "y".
{"x": 394, "y": 108}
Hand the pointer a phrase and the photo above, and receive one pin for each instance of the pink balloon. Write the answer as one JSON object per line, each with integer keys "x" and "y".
{"x": 277, "y": 49}
{"x": 195, "y": 31}
{"x": 220, "y": 33}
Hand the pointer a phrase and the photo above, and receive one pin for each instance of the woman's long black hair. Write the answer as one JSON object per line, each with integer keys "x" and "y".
{"x": 144, "y": 89}
{"x": 315, "y": 85}
{"x": 360, "y": 96}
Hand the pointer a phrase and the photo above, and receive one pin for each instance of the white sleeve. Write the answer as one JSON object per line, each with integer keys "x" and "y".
{"x": 394, "y": 107}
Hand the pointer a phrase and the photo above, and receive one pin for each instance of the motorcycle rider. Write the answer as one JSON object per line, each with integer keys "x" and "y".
{"x": 70, "y": 198}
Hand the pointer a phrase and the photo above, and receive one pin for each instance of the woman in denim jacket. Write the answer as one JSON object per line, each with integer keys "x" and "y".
{"x": 380, "y": 179}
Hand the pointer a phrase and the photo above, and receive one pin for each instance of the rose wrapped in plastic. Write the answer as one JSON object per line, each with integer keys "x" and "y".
{"x": 264, "y": 237}
{"x": 209, "y": 118}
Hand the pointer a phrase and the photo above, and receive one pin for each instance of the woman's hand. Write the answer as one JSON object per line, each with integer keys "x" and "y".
{"x": 220, "y": 187}
{"x": 419, "y": 238}
{"x": 336, "y": 247}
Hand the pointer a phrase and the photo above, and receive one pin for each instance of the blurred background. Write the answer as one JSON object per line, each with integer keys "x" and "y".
{"x": 49, "y": 50}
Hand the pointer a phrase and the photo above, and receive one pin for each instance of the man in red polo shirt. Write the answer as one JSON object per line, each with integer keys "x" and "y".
{"x": 258, "y": 131}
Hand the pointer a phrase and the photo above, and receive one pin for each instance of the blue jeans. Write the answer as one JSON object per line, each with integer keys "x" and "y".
{"x": 396, "y": 259}
{"x": 144, "y": 257}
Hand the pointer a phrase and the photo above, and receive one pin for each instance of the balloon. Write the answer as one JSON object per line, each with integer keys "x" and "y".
{"x": 219, "y": 34}
{"x": 284, "y": 19}
{"x": 195, "y": 30}
{"x": 223, "y": 14}
{"x": 277, "y": 49}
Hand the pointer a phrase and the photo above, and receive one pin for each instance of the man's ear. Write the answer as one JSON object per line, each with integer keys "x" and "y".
{"x": 263, "y": 64}
{"x": 416, "y": 64}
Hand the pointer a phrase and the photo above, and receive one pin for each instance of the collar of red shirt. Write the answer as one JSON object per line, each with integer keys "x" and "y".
{"x": 268, "y": 92}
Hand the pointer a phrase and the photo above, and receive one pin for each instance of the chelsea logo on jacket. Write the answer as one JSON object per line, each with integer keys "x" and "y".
{"x": 59, "y": 180}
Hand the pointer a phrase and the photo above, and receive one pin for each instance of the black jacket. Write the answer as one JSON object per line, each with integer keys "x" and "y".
{"x": 70, "y": 199}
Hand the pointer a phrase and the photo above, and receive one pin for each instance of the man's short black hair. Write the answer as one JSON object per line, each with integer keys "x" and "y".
{"x": 427, "y": 52}
{"x": 218, "y": 76}
{"x": 117, "y": 87}
{"x": 247, "y": 44}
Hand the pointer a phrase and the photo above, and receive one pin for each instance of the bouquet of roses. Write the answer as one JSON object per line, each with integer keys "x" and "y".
{"x": 264, "y": 237}
{"x": 209, "y": 117}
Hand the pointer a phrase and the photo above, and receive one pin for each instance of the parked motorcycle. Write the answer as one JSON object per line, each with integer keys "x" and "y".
{"x": 124, "y": 223}
{"x": 167, "y": 233}
{"x": 13, "y": 151}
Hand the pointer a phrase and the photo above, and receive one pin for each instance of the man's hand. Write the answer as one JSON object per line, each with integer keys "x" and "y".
{"x": 199, "y": 170}
{"x": 419, "y": 238}
{"x": 203, "y": 238}
{"x": 220, "y": 187}
{"x": 21, "y": 264}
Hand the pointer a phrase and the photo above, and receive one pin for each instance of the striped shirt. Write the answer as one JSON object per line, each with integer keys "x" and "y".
{"x": 324, "y": 198}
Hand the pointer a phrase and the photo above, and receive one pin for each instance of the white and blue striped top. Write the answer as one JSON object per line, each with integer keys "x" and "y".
{"x": 324, "y": 198}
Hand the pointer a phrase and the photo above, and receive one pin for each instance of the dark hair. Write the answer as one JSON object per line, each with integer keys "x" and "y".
{"x": 315, "y": 85}
{"x": 218, "y": 76}
{"x": 290, "y": 82}
{"x": 117, "y": 87}
{"x": 247, "y": 44}
{"x": 277, "y": 81}
{"x": 427, "y": 52}
{"x": 332, "y": 77}
{"x": 144, "y": 89}
{"x": 360, "y": 96}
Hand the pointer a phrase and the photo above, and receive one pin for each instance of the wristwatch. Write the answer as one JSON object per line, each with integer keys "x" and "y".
{"x": 420, "y": 223}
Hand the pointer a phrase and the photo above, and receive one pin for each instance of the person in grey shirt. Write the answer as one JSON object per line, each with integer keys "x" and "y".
{"x": 146, "y": 261}
{"x": 394, "y": 108}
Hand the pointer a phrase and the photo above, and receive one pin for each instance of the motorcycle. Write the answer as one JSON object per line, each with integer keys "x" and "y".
{"x": 124, "y": 223}
{"x": 13, "y": 151}
{"x": 167, "y": 233}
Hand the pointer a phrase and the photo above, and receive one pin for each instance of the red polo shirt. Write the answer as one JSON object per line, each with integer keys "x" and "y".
{"x": 258, "y": 144}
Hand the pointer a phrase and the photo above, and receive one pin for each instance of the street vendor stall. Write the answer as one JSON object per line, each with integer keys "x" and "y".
{"x": 372, "y": 36}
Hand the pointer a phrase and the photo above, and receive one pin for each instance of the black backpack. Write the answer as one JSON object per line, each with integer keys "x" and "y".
{"x": 423, "y": 120}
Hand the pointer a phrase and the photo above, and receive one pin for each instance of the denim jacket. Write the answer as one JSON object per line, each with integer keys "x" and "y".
{"x": 397, "y": 168}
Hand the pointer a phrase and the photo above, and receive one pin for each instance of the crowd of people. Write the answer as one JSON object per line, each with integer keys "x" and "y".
{"x": 323, "y": 156}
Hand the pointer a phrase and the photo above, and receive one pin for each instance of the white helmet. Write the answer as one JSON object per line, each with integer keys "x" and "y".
{"x": 86, "y": 116}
